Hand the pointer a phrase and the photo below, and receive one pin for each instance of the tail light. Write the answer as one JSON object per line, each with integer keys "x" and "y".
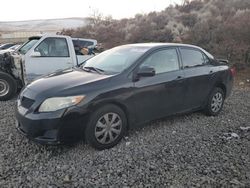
{"x": 233, "y": 71}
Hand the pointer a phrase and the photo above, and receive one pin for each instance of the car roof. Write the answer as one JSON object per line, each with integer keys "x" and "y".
{"x": 92, "y": 40}
{"x": 54, "y": 35}
{"x": 151, "y": 45}
{"x": 155, "y": 45}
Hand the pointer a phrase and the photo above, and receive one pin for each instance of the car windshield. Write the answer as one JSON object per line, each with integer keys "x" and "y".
{"x": 115, "y": 60}
{"x": 27, "y": 46}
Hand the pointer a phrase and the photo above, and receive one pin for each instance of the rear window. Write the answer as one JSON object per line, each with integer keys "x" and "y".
{"x": 79, "y": 44}
{"x": 85, "y": 44}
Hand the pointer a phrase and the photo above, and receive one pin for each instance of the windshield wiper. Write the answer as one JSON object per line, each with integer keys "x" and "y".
{"x": 100, "y": 71}
{"x": 82, "y": 63}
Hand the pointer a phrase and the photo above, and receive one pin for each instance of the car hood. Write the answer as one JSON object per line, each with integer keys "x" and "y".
{"x": 66, "y": 83}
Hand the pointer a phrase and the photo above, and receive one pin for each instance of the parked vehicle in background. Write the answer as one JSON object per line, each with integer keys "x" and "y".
{"x": 11, "y": 49}
{"x": 40, "y": 55}
{"x": 121, "y": 89}
{"x": 6, "y": 46}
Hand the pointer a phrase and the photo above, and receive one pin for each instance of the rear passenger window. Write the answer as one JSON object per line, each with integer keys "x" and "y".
{"x": 163, "y": 61}
{"x": 193, "y": 58}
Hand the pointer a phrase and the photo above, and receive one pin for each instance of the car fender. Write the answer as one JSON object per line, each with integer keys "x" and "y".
{"x": 121, "y": 104}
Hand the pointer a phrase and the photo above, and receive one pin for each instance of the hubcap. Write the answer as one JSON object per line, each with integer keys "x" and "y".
{"x": 217, "y": 101}
{"x": 108, "y": 128}
{"x": 4, "y": 88}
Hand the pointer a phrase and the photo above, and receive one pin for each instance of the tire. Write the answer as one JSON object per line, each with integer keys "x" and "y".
{"x": 215, "y": 102}
{"x": 8, "y": 86}
{"x": 100, "y": 124}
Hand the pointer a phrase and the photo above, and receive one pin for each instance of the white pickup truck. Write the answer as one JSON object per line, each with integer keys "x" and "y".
{"x": 40, "y": 55}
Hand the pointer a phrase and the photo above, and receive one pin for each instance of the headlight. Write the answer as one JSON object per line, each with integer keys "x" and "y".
{"x": 57, "y": 103}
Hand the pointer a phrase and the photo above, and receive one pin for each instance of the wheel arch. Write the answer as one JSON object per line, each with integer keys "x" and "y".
{"x": 216, "y": 85}
{"x": 221, "y": 86}
{"x": 122, "y": 106}
{"x": 17, "y": 80}
{"x": 12, "y": 85}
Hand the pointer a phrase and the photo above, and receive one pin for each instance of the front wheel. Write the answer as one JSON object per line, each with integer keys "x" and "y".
{"x": 106, "y": 127}
{"x": 215, "y": 102}
{"x": 8, "y": 86}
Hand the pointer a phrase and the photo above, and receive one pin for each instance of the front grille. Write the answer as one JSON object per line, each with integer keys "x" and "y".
{"x": 26, "y": 102}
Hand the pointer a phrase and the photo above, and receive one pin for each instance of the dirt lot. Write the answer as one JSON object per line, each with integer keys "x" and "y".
{"x": 190, "y": 150}
{"x": 243, "y": 78}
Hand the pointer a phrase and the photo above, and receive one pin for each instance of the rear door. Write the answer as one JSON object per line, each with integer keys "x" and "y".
{"x": 198, "y": 73}
{"x": 49, "y": 55}
{"x": 163, "y": 93}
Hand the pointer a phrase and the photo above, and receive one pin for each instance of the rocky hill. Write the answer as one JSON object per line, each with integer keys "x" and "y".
{"x": 43, "y": 25}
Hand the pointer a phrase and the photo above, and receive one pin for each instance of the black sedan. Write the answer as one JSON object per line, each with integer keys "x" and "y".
{"x": 120, "y": 89}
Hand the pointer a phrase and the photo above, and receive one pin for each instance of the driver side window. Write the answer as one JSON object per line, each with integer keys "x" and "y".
{"x": 53, "y": 47}
{"x": 163, "y": 61}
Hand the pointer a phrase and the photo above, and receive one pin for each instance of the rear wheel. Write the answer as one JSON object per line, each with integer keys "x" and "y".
{"x": 8, "y": 86}
{"x": 106, "y": 127}
{"x": 215, "y": 102}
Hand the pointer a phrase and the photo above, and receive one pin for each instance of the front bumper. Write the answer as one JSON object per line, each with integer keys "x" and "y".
{"x": 52, "y": 128}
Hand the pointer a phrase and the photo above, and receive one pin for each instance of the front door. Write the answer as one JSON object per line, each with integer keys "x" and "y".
{"x": 162, "y": 94}
{"x": 50, "y": 55}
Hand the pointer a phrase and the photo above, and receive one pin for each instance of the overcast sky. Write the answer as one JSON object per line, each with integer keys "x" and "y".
{"x": 16, "y": 10}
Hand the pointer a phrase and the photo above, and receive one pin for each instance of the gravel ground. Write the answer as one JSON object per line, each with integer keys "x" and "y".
{"x": 189, "y": 150}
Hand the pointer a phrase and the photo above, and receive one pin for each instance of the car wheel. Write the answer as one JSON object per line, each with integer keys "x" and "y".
{"x": 215, "y": 102}
{"x": 8, "y": 87}
{"x": 106, "y": 127}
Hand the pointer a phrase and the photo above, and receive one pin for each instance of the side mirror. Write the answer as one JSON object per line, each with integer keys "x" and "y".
{"x": 146, "y": 71}
{"x": 35, "y": 54}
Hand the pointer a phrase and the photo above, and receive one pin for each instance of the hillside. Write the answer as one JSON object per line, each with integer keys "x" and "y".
{"x": 43, "y": 25}
{"x": 220, "y": 26}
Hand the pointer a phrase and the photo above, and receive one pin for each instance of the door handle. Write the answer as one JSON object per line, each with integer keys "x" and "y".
{"x": 210, "y": 72}
{"x": 179, "y": 77}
